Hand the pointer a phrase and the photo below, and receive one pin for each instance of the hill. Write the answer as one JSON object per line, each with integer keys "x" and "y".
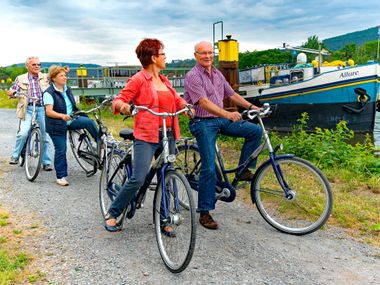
{"x": 69, "y": 64}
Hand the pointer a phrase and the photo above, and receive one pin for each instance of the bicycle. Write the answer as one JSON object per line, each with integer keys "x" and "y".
{"x": 172, "y": 203}
{"x": 290, "y": 193}
{"x": 90, "y": 157}
{"x": 31, "y": 153}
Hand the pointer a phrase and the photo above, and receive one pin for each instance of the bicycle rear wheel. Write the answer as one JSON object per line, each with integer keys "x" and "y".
{"x": 33, "y": 154}
{"x": 176, "y": 250}
{"x": 310, "y": 203}
{"x": 188, "y": 161}
{"x": 80, "y": 142}
{"x": 106, "y": 192}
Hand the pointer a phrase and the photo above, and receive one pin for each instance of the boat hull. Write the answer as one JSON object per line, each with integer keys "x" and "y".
{"x": 327, "y": 98}
{"x": 324, "y": 116}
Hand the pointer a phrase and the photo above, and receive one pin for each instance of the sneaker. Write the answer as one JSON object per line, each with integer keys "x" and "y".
{"x": 62, "y": 182}
{"x": 47, "y": 167}
{"x": 246, "y": 176}
{"x": 13, "y": 160}
{"x": 208, "y": 222}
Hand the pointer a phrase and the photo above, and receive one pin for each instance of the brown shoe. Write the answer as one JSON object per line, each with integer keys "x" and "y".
{"x": 208, "y": 222}
{"x": 246, "y": 176}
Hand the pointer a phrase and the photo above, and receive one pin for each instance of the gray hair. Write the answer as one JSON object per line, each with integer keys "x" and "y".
{"x": 29, "y": 58}
{"x": 201, "y": 43}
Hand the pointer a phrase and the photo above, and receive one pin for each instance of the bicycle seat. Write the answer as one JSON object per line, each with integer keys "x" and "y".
{"x": 127, "y": 134}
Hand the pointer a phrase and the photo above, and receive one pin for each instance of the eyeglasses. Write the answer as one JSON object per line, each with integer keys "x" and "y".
{"x": 203, "y": 53}
{"x": 161, "y": 54}
{"x": 36, "y": 64}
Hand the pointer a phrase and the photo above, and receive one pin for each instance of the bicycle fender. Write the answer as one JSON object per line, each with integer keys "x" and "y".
{"x": 268, "y": 162}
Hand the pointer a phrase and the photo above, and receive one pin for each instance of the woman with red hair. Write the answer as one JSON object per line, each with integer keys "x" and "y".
{"x": 151, "y": 89}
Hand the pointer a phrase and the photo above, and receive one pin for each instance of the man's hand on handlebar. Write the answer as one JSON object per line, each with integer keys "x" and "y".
{"x": 234, "y": 116}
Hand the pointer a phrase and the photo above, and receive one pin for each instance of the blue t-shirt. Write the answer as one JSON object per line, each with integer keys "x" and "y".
{"x": 48, "y": 100}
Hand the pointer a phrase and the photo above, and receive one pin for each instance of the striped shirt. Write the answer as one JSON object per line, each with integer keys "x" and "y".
{"x": 34, "y": 89}
{"x": 200, "y": 84}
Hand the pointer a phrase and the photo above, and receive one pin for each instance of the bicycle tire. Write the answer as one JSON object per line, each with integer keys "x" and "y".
{"x": 188, "y": 162}
{"x": 312, "y": 200}
{"x": 176, "y": 251}
{"x": 106, "y": 195}
{"x": 21, "y": 159}
{"x": 33, "y": 154}
{"x": 85, "y": 145}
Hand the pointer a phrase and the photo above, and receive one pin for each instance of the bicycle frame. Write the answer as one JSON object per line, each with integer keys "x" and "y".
{"x": 96, "y": 158}
{"x": 163, "y": 161}
{"x": 222, "y": 172}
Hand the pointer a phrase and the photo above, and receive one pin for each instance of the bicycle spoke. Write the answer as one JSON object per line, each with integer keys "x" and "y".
{"x": 176, "y": 250}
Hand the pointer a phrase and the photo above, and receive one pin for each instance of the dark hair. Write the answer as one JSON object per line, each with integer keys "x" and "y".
{"x": 147, "y": 48}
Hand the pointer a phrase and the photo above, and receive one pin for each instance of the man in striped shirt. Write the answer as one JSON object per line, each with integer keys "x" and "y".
{"x": 33, "y": 83}
{"x": 206, "y": 88}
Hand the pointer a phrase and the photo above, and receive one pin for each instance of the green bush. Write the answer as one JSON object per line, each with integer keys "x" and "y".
{"x": 330, "y": 148}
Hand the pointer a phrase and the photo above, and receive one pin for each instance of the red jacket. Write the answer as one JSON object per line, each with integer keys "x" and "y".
{"x": 140, "y": 91}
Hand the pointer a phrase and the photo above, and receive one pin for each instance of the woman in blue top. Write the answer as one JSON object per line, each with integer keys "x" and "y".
{"x": 59, "y": 104}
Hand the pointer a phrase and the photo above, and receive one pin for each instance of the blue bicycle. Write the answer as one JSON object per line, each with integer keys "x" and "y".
{"x": 172, "y": 204}
{"x": 290, "y": 193}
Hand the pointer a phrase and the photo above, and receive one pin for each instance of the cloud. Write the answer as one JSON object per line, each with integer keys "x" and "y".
{"x": 102, "y": 31}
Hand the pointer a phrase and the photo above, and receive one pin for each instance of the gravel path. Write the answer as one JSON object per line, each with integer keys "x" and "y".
{"x": 75, "y": 249}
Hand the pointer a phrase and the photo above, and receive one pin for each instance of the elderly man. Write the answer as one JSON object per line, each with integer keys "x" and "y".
{"x": 206, "y": 88}
{"x": 33, "y": 83}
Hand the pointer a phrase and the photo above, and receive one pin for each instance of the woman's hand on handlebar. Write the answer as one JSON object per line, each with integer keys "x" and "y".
{"x": 125, "y": 109}
{"x": 66, "y": 117}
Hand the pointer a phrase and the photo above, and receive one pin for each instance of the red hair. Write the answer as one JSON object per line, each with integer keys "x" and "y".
{"x": 147, "y": 48}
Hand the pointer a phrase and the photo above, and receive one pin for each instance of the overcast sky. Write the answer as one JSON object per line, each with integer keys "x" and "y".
{"x": 107, "y": 31}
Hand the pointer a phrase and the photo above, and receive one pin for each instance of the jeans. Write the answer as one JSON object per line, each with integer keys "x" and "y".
{"x": 22, "y": 135}
{"x": 60, "y": 160}
{"x": 83, "y": 122}
{"x": 205, "y": 131}
{"x": 143, "y": 154}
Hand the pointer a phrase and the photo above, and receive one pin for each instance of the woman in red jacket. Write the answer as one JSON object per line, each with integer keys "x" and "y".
{"x": 148, "y": 88}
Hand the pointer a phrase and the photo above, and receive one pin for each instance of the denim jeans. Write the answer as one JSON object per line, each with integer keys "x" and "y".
{"x": 22, "y": 135}
{"x": 143, "y": 154}
{"x": 205, "y": 131}
{"x": 60, "y": 160}
{"x": 83, "y": 122}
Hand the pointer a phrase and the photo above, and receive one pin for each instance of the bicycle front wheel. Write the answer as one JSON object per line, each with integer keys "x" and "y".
{"x": 310, "y": 202}
{"x": 80, "y": 142}
{"x": 176, "y": 249}
{"x": 106, "y": 192}
{"x": 33, "y": 154}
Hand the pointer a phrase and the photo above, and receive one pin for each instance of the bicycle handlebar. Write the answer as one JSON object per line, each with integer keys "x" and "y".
{"x": 78, "y": 113}
{"x": 17, "y": 94}
{"x": 263, "y": 112}
{"x": 134, "y": 110}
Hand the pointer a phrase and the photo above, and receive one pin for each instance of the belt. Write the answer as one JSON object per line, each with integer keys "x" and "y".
{"x": 37, "y": 104}
{"x": 205, "y": 118}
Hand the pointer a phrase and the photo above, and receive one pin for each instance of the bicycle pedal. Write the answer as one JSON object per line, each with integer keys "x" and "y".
{"x": 90, "y": 173}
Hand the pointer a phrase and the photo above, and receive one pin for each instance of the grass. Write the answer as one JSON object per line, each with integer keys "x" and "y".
{"x": 356, "y": 198}
{"x": 7, "y": 103}
{"x": 15, "y": 261}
